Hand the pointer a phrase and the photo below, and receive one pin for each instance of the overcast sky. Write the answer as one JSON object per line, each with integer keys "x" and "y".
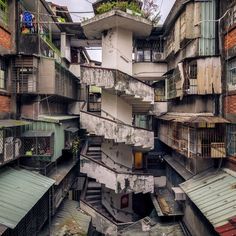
{"x": 85, "y": 5}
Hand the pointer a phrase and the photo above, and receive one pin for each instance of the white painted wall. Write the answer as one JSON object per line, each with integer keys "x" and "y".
{"x": 117, "y": 47}
{"x": 117, "y": 107}
{"x": 120, "y": 153}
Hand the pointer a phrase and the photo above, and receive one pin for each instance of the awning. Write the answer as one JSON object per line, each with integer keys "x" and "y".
{"x": 193, "y": 118}
{"x": 56, "y": 119}
{"x": 37, "y": 133}
{"x": 72, "y": 129}
{"x": 20, "y": 190}
{"x": 214, "y": 193}
{"x": 12, "y": 123}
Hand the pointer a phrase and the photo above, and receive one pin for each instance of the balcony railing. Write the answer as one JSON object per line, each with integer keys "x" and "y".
{"x": 112, "y": 79}
{"x": 116, "y": 180}
{"x": 117, "y": 131}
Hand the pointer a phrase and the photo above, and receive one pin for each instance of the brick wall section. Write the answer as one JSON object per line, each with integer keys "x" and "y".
{"x": 5, "y": 38}
{"x": 5, "y": 104}
{"x": 230, "y": 39}
{"x": 230, "y": 104}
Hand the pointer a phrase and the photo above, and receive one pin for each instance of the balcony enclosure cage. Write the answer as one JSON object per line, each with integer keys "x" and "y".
{"x": 205, "y": 140}
{"x": 38, "y": 143}
{"x": 10, "y": 144}
{"x": 25, "y": 73}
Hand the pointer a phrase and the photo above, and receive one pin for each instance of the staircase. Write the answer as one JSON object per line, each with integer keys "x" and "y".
{"x": 94, "y": 198}
{"x": 94, "y": 151}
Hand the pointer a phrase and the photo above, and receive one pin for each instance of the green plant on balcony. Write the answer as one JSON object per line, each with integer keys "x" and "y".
{"x": 123, "y": 6}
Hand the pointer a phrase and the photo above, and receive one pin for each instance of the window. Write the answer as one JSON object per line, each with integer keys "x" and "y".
{"x": 233, "y": 75}
{"x": 3, "y": 73}
{"x": 231, "y": 72}
{"x": 3, "y": 12}
{"x": 193, "y": 70}
{"x": 148, "y": 51}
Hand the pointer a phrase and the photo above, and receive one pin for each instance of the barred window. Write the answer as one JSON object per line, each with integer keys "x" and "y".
{"x": 148, "y": 51}
{"x": 3, "y": 12}
{"x": 3, "y": 73}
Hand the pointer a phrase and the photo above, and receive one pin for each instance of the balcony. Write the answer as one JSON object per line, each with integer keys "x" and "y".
{"x": 32, "y": 75}
{"x": 194, "y": 137}
{"x": 38, "y": 45}
{"x": 137, "y": 93}
{"x": 117, "y": 131}
{"x": 116, "y": 180}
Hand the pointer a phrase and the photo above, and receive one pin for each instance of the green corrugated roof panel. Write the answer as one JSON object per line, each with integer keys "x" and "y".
{"x": 20, "y": 190}
{"x": 12, "y": 123}
{"x": 214, "y": 193}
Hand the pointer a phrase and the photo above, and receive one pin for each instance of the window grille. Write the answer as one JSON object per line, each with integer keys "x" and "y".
{"x": 3, "y": 72}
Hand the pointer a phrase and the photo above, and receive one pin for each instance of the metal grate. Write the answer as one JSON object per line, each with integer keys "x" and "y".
{"x": 37, "y": 146}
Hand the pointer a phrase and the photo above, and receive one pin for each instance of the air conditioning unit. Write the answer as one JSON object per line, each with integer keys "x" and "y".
{"x": 9, "y": 149}
{"x": 157, "y": 56}
{"x": 179, "y": 194}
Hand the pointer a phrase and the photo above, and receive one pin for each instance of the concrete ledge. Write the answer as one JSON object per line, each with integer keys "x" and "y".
{"x": 94, "y": 27}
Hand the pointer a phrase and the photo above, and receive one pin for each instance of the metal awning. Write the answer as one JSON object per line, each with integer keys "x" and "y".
{"x": 182, "y": 171}
{"x": 56, "y": 119}
{"x": 193, "y": 118}
{"x": 214, "y": 193}
{"x": 37, "y": 133}
{"x": 72, "y": 129}
{"x": 20, "y": 190}
{"x": 12, "y": 123}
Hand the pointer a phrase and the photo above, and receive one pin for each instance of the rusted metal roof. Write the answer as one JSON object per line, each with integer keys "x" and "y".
{"x": 214, "y": 193}
{"x": 193, "y": 118}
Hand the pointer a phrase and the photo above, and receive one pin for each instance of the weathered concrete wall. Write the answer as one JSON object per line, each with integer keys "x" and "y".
{"x": 116, "y": 107}
{"x": 112, "y": 202}
{"x": 101, "y": 223}
{"x": 120, "y": 133}
{"x": 119, "y": 153}
{"x": 117, "y": 81}
{"x": 117, "y": 49}
{"x": 119, "y": 182}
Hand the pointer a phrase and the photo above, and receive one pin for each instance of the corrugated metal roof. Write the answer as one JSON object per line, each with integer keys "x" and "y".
{"x": 20, "y": 190}
{"x": 37, "y": 133}
{"x": 184, "y": 118}
{"x": 13, "y": 123}
{"x": 214, "y": 193}
{"x": 56, "y": 119}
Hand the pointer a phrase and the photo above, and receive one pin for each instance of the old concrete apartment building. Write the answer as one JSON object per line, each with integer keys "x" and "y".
{"x": 142, "y": 143}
